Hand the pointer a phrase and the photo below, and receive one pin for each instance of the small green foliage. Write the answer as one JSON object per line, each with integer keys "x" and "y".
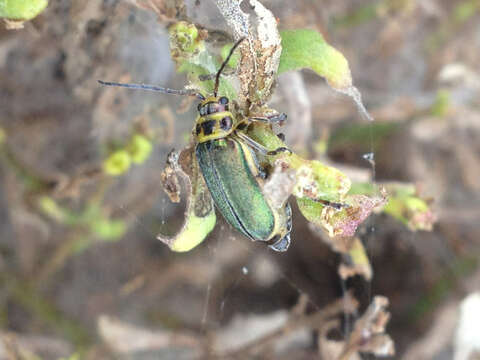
{"x": 51, "y": 208}
{"x": 326, "y": 182}
{"x": 91, "y": 218}
{"x": 139, "y": 148}
{"x": 441, "y": 104}
{"x": 188, "y": 51}
{"x": 74, "y": 356}
{"x": 21, "y": 9}
{"x": 411, "y": 211}
{"x": 465, "y": 10}
{"x": 184, "y": 38}
{"x": 404, "y": 204}
{"x": 311, "y": 210}
{"x": 316, "y": 181}
{"x": 195, "y": 231}
{"x": 108, "y": 229}
{"x": 343, "y": 222}
{"x": 117, "y": 163}
{"x": 307, "y": 49}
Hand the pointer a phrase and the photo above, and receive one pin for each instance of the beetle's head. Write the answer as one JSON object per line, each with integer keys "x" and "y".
{"x": 214, "y": 121}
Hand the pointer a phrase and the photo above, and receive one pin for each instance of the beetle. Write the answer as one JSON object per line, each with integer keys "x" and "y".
{"x": 228, "y": 162}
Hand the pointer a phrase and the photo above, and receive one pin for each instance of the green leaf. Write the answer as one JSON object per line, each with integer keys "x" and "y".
{"x": 21, "y": 9}
{"x": 200, "y": 216}
{"x": 342, "y": 222}
{"x": 108, "y": 229}
{"x": 314, "y": 179}
{"x": 404, "y": 204}
{"x": 315, "y": 183}
{"x": 195, "y": 231}
{"x": 307, "y": 49}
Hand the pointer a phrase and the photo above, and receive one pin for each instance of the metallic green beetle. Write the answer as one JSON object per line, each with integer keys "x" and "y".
{"x": 232, "y": 173}
{"x": 229, "y": 165}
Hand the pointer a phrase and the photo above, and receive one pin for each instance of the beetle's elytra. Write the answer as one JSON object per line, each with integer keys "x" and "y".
{"x": 229, "y": 165}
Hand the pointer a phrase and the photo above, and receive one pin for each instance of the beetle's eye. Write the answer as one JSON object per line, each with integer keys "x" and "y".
{"x": 199, "y": 106}
{"x": 223, "y": 100}
{"x": 226, "y": 123}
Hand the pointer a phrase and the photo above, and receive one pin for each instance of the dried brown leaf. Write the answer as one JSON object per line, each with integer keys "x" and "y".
{"x": 260, "y": 53}
{"x": 369, "y": 332}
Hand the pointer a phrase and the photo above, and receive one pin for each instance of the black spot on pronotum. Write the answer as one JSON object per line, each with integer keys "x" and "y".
{"x": 241, "y": 126}
{"x": 208, "y": 127}
{"x": 198, "y": 129}
{"x": 226, "y": 123}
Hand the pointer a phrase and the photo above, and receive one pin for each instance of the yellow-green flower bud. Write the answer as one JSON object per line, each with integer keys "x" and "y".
{"x": 110, "y": 230}
{"x": 117, "y": 163}
{"x": 184, "y": 40}
{"x": 139, "y": 148}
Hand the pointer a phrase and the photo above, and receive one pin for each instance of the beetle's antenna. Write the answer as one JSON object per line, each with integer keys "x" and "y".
{"x": 217, "y": 77}
{"x": 153, "y": 88}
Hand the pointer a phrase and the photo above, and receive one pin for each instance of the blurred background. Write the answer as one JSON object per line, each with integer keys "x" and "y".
{"x": 81, "y": 272}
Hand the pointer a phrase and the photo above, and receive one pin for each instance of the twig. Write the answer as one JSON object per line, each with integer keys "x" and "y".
{"x": 27, "y": 296}
{"x": 312, "y": 321}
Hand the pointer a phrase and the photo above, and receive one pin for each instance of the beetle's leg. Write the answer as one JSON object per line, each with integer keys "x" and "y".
{"x": 260, "y": 148}
{"x": 262, "y": 173}
{"x": 288, "y": 214}
{"x": 276, "y": 118}
{"x": 279, "y": 150}
{"x": 337, "y": 206}
{"x": 282, "y": 244}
